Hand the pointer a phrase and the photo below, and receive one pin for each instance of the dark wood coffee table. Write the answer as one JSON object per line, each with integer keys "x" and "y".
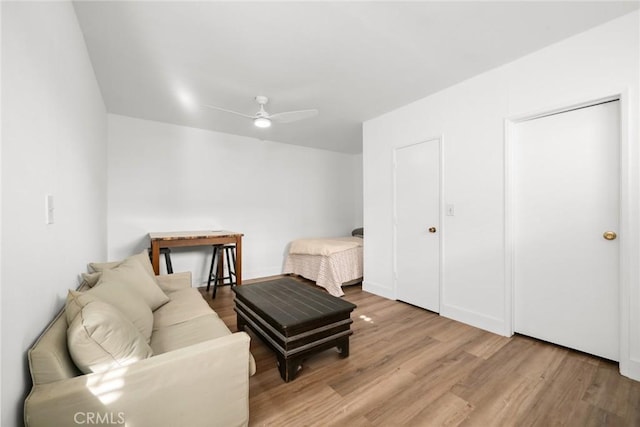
{"x": 294, "y": 320}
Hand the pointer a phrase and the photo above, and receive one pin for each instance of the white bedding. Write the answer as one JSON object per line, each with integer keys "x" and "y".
{"x": 328, "y": 271}
{"x": 324, "y": 247}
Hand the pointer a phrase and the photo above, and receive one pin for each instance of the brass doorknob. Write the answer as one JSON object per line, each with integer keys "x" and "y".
{"x": 432, "y": 229}
{"x": 609, "y": 235}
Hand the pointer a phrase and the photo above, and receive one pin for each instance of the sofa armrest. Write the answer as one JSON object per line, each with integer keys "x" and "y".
{"x": 174, "y": 282}
{"x": 206, "y": 384}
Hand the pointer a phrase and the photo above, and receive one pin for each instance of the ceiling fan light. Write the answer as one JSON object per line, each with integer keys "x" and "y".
{"x": 262, "y": 122}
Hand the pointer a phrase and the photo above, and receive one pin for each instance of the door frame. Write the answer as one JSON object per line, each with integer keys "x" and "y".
{"x": 627, "y": 222}
{"x": 440, "y": 225}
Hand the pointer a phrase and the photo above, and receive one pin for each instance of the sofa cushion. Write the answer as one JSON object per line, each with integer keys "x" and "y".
{"x": 134, "y": 308}
{"x": 99, "y": 336}
{"x": 185, "y": 304}
{"x": 196, "y": 330}
{"x": 173, "y": 282}
{"x": 132, "y": 274}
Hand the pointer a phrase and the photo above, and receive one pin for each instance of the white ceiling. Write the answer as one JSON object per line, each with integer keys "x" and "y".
{"x": 351, "y": 60}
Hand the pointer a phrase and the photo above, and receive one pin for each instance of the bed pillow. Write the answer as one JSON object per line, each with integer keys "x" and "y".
{"x": 99, "y": 336}
{"x": 132, "y": 274}
{"x": 358, "y": 232}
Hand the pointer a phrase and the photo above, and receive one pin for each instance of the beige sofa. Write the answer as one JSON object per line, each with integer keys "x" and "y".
{"x": 197, "y": 375}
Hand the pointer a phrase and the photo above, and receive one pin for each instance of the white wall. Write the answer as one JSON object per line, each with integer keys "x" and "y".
{"x": 1, "y": 132}
{"x": 53, "y": 142}
{"x": 471, "y": 118}
{"x": 358, "y": 178}
{"x": 164, "y": 177}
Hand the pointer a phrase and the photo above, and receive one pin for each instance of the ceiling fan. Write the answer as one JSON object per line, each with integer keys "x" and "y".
{"x": 263, "y": 119}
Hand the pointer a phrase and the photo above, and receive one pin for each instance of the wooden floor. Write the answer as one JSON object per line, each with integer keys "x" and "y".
{"x": 408, "y": 366}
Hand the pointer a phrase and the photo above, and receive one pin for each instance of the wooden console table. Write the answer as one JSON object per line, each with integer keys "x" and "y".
{"x": 195, "y": 238}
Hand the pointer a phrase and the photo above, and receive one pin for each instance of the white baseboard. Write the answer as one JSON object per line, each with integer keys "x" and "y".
{"x": 630, "y": 368}
{"x": 479, "y": 320}
{"x": 378, "y": 289}
{"x": 246, "y": 275}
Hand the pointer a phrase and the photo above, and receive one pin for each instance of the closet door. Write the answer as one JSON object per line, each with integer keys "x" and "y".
{"x": 417, "y": 224}
{"x": 566, "y": 212}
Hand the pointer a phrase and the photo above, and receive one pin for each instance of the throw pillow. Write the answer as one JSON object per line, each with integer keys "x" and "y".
{"x": 132, "y": 274}
{"x": 121, "y": 295}
{"x": 90, "y": 279}
{"x": 99, "y": 337}
{"x": 142, "y": 258}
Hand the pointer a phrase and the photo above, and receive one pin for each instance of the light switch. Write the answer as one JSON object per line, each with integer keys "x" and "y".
{"x": 450, "y": 210}
{"x": 49, "y": 209}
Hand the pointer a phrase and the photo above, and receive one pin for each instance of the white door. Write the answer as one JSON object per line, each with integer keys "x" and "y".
{"x": 417, "y": 224}
{"x": 566, "y": 196}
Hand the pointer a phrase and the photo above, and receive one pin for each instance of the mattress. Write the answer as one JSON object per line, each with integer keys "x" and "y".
{"x": 328, "y": 271}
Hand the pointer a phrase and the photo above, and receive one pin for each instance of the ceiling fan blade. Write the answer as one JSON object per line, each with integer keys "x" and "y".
{"x": 293, "y": 116}
{"x": 230, "y": 111}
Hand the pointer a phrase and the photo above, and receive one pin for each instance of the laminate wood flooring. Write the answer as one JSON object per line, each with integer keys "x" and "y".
{"x": 411, "y": 367}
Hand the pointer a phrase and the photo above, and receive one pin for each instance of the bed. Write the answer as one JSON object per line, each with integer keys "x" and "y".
{"x": 330, "y": 262}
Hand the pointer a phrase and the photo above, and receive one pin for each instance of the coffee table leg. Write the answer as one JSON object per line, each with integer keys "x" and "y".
{"x": 343, "y": 347}
{"x": 240, "y": 322}
{"x": 288, "y": 368}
